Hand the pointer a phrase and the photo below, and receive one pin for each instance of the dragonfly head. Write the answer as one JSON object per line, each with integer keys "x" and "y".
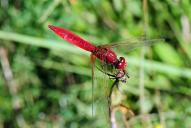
{"x": 122, "y": 76}
{"x": 121, "y": 64}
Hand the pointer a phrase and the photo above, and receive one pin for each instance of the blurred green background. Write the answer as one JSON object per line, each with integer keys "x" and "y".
{"x": 46, "y": 82}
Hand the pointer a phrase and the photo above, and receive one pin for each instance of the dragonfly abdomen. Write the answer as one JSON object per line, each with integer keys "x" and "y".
{"x": 72, "y": 38}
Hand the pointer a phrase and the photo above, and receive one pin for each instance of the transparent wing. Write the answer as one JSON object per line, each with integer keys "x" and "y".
{"x": 131, "y": 44}
{"x": 103, "y": 85}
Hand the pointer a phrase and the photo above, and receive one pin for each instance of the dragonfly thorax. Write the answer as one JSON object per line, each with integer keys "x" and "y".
{"x": 105, "y": 54}
{"x": 108, "y": 56}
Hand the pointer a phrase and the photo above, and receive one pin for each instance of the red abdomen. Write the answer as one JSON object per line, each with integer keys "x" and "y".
{"x": 72, "y": 38}
{"x": 105, "y": 54}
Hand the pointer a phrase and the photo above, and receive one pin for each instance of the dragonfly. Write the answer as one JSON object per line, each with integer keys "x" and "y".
{"x": 105, "y": 54}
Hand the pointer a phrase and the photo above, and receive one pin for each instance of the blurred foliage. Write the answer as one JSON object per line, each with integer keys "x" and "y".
{"x": 53, "y": 78}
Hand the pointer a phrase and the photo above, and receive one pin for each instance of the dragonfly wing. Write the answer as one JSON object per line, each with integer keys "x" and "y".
{"x": 131, "y": 44}
{"x": 106, "y": 46}
{"x": 101, "y": 93}
{"x": 107, "y": 94}
{"x": 106, "y": 88}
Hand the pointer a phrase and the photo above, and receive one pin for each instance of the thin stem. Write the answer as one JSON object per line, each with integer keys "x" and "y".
{"x": 111, "y": 116}
{"x": 93, "y": 58}
{"x": 145, "y": 119}
{"x": 141, "y": 82}
{"x": 12, "y": 86}
{"x": 49, "y": 10}
{"x": 159, "y": 107}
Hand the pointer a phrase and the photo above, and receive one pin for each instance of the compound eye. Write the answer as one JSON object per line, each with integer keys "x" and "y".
{"x": 121, "y": 64}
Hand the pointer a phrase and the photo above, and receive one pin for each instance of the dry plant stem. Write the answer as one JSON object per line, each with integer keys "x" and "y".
{"x": 141, "y": 73}
{"x": 8, "y": 75}
{"x": 186, "y": 33}
{"x": 125, "y": 122}
{"x": 124, "y": 111}
{"x": 159, "y": 107}
{"x": 92, "y": 58}
{"x": 49, "y": 10}
{"x": 111, "y": 113}
{"x": 145, "y": 119}
{"x": 154, "y": 116}
{"x": 113, "y": 120}
{"x": 4, "y": 3}
{"x": 11, "y": 84}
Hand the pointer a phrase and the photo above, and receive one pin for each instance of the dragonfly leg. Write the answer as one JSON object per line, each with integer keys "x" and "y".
{"x": 108, "y": 46}
{"x": 103, "y": 65}
{"x": 110, "y": 75}
{"x": 127, "y": 75}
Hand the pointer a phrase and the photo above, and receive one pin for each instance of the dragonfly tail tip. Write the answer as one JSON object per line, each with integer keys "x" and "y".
{"x": 51, "y": 26}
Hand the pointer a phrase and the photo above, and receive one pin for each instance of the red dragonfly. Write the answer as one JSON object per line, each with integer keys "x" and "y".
{"x": 104, "y": 52}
